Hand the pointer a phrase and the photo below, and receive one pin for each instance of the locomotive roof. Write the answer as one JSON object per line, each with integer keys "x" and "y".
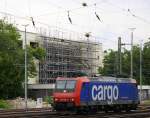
{"x": 113, "y": 79}
{"x": 102, "y": 79}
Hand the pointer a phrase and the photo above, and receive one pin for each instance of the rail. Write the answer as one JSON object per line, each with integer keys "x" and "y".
{"x": 142, "y": 112}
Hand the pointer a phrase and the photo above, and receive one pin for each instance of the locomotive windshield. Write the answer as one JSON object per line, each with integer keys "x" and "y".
{"x": 60, "y": 84}
{"x": 65, "y": 85}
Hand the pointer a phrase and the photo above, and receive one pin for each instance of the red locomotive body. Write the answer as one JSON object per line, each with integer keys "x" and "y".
{"x": 67, "y": 92}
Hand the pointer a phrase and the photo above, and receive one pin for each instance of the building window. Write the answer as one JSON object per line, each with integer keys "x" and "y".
{"x": 34, "y": 44}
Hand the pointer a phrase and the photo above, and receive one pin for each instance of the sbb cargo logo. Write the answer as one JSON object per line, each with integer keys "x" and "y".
{"x": 105, "y": 92}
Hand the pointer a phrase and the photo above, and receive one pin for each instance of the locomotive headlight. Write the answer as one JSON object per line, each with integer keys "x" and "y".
{"x": 72, "y": 99}
{"x": 56, "y": 99}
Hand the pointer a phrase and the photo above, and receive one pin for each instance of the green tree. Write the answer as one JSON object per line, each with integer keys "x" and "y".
{"x": 12, "y": 61}
{"x": 110, "y": 65}
{"x": 146, "y": 62}
{"x": 126, "y": 57}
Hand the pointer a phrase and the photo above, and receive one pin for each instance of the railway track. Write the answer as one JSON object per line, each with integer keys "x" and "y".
{"x": 27, "y": 113}
{"x": 142, "y": 112}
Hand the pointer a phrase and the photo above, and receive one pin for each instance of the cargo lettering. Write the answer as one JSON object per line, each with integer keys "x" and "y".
{"x": 105, "y": 92}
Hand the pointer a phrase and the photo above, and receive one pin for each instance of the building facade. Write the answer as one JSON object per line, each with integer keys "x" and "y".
{"x": 64, "y": 57}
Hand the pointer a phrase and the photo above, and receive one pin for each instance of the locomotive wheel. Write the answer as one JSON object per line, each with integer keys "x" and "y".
{"x": 134, "y": 107}
{"x": 117, "y": 109}
{"x": 92, "y": 110}
{"x": 106, "y": 109}
{"x": 83, "y": 110}
{"x": 127, "y": 108}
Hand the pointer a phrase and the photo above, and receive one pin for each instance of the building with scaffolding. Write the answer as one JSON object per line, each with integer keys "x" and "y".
{"x": 64, "y": 57}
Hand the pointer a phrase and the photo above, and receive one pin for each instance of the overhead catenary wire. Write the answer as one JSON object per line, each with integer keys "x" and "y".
{"x": 30, "y": 14}
{"x": 64, "y": 10}
{"x": 29, "y": 19}
{"x": 138, "y": 17}
{"x": 130, "y": 12}
{"x": 97, "y": 16}
{"x": 33, "y": 22}
{"x": 69, "y": 18}
{"x": 116, "y": 6}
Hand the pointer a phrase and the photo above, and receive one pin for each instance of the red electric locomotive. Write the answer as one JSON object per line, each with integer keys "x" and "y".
{"x": 96, "y": 94}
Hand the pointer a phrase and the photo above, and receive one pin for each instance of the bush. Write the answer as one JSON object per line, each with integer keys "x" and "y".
{"x": 48, "y": 99}
{"x": 4, "y": 104}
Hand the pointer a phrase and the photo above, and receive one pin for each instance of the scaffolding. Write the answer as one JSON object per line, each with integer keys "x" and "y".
{"x": 64, "y": 57}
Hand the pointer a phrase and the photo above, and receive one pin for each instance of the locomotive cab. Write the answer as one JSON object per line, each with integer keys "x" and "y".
{"x": 67, "y": 92}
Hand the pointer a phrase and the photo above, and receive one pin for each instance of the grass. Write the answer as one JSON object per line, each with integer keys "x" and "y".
{"x": 4, "y": 104}
{"x": 146, "y": 102}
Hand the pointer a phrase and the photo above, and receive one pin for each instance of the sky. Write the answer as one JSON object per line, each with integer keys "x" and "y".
{"x": 116, "y": 17}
